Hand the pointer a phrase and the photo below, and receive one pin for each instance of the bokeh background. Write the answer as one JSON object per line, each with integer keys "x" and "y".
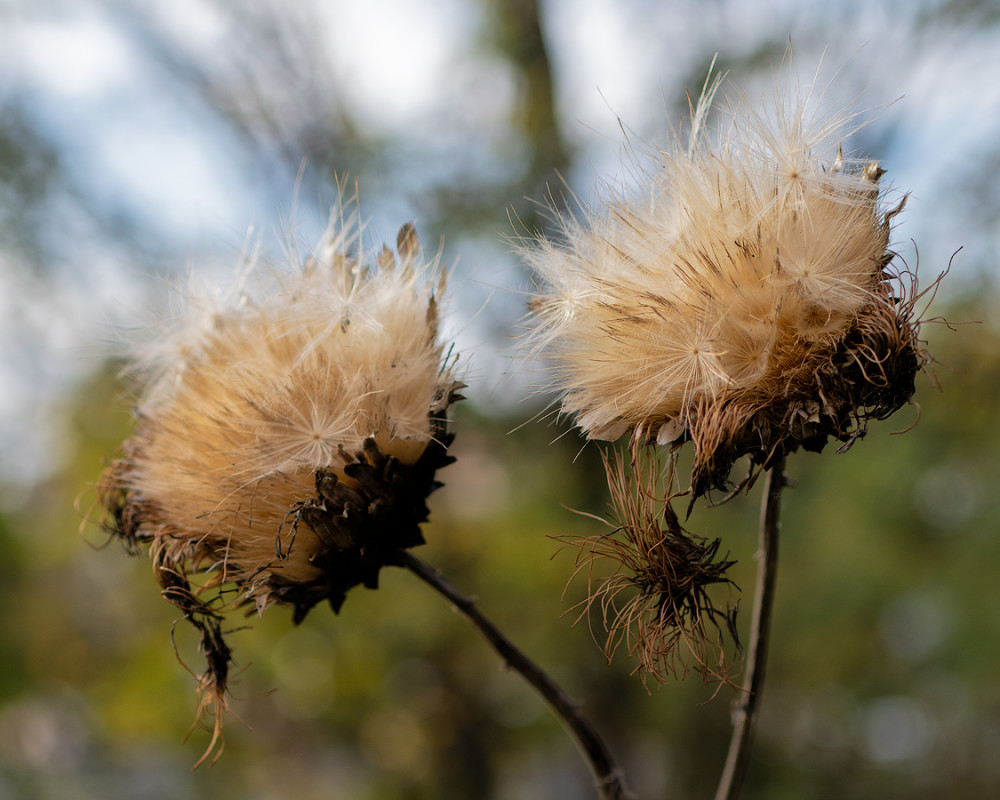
{"x": 141, "y": 140}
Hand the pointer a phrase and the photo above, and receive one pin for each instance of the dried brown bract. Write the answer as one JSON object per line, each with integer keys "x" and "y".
{"x": 833, "y": 392}
{"x": 287, "y": 437}
{"x": 657, "y": 600}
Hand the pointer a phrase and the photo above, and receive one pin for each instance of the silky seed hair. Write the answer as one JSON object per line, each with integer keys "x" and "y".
{"x": 703, "y": 305}
{"x": 287, "y": 433}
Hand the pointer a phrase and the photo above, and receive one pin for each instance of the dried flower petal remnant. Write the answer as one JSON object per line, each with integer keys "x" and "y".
{"x": 657, "y": 600}
{"x": 743, "y": 298}
{"x": 286, "y": 439}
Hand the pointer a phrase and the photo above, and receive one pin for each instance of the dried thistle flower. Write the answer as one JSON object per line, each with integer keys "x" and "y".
{"x": 656, "y": 601}
{"x": 287, "y": 436}
{"x": 744, "y": 299}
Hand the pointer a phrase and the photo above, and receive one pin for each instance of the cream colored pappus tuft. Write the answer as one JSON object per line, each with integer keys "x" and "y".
{"x": 288, "y": 431}
{"x": 704, "y": 304}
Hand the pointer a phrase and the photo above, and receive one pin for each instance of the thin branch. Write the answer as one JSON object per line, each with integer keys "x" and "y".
{"x": 608, "y": 776}
{"x": 767, "y": 567}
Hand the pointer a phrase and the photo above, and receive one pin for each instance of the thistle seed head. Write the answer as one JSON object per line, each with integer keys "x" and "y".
{"x": 658, "y": 599}
{"x": 744, "y": 298}
{"x": 287, "y": 435}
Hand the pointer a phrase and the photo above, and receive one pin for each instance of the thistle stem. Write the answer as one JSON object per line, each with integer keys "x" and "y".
{"x": 608, "y": 776}
{"x": 767, "y": 568}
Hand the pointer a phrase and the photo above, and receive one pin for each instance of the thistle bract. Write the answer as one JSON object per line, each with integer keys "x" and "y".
{"x": 657, "y": 601}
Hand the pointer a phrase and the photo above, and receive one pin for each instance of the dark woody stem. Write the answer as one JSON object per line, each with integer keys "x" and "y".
{"x": 767, "y": 567}
{"x": 607, "y": 774}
